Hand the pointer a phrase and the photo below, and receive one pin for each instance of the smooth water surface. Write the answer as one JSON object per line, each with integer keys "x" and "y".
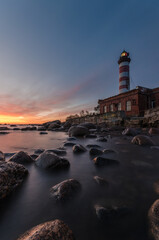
{"x": 129, "y": 185}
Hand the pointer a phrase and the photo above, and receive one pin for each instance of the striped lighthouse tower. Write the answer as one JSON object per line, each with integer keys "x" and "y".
{"x": 124, "y": 80}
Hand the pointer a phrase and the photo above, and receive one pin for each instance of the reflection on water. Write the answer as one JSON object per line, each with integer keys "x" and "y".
{"x": 129, "y": 185}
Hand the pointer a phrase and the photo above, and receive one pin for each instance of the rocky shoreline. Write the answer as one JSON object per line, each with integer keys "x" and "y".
{"x": 14, "y": 170}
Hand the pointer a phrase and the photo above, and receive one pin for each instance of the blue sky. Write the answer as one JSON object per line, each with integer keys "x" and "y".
{"x": 58, "y": 57}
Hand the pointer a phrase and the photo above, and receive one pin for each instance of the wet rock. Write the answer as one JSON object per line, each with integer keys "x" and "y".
{"x": 69, "y": 144}
{"x": 12, "y": 175}
{"x": 71, "y": 139}
{"x": 100, "y": 161}
{"x": 130, "y": 132}
{"x": 93, "y": 146}
{"x": 21, "y": 157}
{"x": 4, "y": 133}
{"x": 28, "y": 129}
{"x": 153, "y": 215}
{"x": 108, "y": 151}
{"x": 51, "y": 161}
{"x": 142, "y": 140}
{"x": 88, "y": 125}
{"x": 79, "y": 149}
{"x": 95, "y": 151}
{"x": 91, "y": 136}
{"x": 110, "y": 214}
{"x": 101, "y": 139}
{"x": 154, "y": 131}
{"x": 78, "y": 131}
{"x": 43, "y": 132}
{"x": 57, "y": 151}
{"x": 39, "y": 151}
{"x": 52, "y": 230}
{"x": 2, "y": 157}
{"x": 65, "y": 189}
{"x": 101, "y": 181}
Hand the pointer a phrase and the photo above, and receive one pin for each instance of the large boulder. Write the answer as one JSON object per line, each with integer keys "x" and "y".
{"x": 67, "y": 125}
{"x": 69, "y": 144}
{"x": 39, "y": 151}
{"x": 65, "y": 189}
{"x": 100, "y": 161}
{"x": 21, "y": 157}
{"x": 47, "y": 124}
{"x": 79, "y": 148}
{"x": 57, "y": 151}
{"x": 93, "y": 146}
{"x": 51, "y": 160}
{"x": 52, "y": 230}
{"x": 2, "y": 157}
{"x": 142, "y": 140}
{"x": 130, "y": 132}
{"x": 153, "y": 215}
{"x": 88, "y": 125}
{"x": 12, "y": 175}
{"x": 78, "y": 131}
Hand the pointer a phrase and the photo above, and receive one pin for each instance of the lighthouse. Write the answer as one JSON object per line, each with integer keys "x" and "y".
{"x": 124, "y": 80}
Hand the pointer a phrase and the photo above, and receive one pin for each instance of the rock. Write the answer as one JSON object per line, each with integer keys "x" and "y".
{"x": 69, "y": 144}
{"x": 28, "y": 129}
{"x": 93, "y": 146}
{"x": 67, "y": 125}
{"x": 65, "y": 189}
{"x": 34, "y": 156}
{"x": 111, "y": 213}
{"x": 91, "y": 136}
{"x": 9, "y": 154}
{"x": 101, "y": 139}
{"x": 57, "y": 151}
{"x": 51, "y": 161}
{"x": 4, "y": 128}
{"x": 21, "y": 157}
{"x": 47, "y": 124}
{"x": 100, "y": 161}
{"x": 108, "y": 151}
{"x": 43, "y": 132}
{"x": 142, "y": 140}
{"x": 39, "y": 151}
{"x": 41, "y": 128}
{"x": 153, "y": 215}
{"x": 78, "y": 131}
{"x": 52, "y": 230}
{"x": 2, "y": 157}
{"x": 88, "y": 125}
{"x": 95, "y": 151}
{"x": 155, "y": 147}
{"x": 12, "y": 125}
{"x": 4, "y": 133}
{"x": 130, "y": 132}
{"x": 53, "y": 126}
{"x": 71, "y": 139}
{"x": 79, "y": 149}
{"x": 100, "y": 181}
{"x": 154, "y": 131}
{"x": 15, "y": 129}
{"x": 12, "y": 175}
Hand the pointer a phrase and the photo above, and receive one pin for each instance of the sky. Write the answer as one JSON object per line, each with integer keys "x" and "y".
{"x": 58, "y": 57}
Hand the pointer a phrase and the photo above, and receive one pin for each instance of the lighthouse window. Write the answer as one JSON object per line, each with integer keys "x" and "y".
{"x": 119, "y": 106}
{"x": 128, "y": 106}
{"x": 105, "y": 109}
{"x": 111, "y": 107}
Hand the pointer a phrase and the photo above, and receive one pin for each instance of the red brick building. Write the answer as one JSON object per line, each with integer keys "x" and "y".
{"x": 133, "y": 102}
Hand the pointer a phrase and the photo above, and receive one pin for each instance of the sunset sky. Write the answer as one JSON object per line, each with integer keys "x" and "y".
{"x": 58, "y": 57}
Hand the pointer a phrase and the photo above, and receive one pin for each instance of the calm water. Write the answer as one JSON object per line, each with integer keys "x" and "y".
{"x": 129, "y": 185}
